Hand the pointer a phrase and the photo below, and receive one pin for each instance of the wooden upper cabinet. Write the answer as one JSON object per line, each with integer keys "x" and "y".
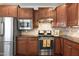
{"x": 72, "y": 14}
{"x": 61, "y": 16}
{"x": 45, "y": 13}
{"x": 12, "y": 11}
{"x": 35, "y": 19}
{"x": 8, "y": 10}
{"x": 3, "y": 10}
{"x": 26, "y": 13}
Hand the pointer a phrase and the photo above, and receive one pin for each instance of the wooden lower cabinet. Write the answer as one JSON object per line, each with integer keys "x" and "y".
{"x": 26, "y": 46}
{"x": 65, "y": 47}
{"x": 62, "y": 46}
{"x": 21, "y": 46}
{"x": 75, "y": 52}
{"x": 67, "y": 50}
{"x": 57, "y": 48}
{"x": 33, "y": 47}
{"x": 70, "y": 48}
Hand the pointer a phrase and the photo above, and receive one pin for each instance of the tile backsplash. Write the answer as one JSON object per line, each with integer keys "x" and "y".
{"x": 74, "y": 32}
{"x": 47, "y": 26}
{"x": 42, "y": 26}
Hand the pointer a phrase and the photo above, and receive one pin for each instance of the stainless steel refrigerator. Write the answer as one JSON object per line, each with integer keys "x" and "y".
{"x": 8, "y": 33}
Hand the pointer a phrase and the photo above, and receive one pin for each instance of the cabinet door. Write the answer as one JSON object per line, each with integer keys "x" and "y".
{"x": 21, "y": 47}
{"x": 67, "y": 50}
{"x": 62, "y": 45}
{"x": 45, "y": 13}
{"x": 75, "y": 49}
{"x": 4, "y": 11}
{"x": 33, "y": 47}
{"x": 1, "y": 9}
{"x": 72, "y": 12}
{"x": 61, "y": 16}
{"x": 12, "y": 11}
{"x": 42, "y": 13}
{"x": 75, "y": 52}
{"x": 35, "y": 19}
{"x": 57, "y": 46}
{"x": 67, "y": 47}
{"x": 25, "y": 13}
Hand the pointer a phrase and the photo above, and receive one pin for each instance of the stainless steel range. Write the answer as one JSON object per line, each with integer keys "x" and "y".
{"x": 46, "y": 43}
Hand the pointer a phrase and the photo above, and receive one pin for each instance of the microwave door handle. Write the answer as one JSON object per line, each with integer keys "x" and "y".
{"x": 28, "y": 24}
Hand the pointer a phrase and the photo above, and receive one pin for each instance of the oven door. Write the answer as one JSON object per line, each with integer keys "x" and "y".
{"x": 46, "y": 44}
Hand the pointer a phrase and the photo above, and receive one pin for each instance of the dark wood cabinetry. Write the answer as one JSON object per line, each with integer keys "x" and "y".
{"x": 70, "y": 48}
{"x": 33, "y": 46}
{"x": 57, "y": 49}
{"x": 75, "y": 52}
{"x": 8, "y": 10}
{"x": 13, "y": 10}
{"x": 35, "y": 18}
{"x": 67, "y": 15}
{"x": 25, "y": 13}
{"x": 21, "y": 46}
{"x": 72, "y": 14}
{"x": 62, "y": 45}
{"x": 45, "y": 13}
{"x": 67, "y": 48}
{"x": 27, "y": 46}
{"x": 4, "y": 10}
{"x": 61, "y": 12}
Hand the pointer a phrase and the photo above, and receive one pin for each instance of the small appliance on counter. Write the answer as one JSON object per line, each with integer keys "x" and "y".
{"x": 56, "y": 32}
{"x": 46, "y": 42}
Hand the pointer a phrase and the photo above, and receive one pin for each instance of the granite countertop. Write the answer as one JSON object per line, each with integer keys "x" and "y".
{"x": 74, "y": 39}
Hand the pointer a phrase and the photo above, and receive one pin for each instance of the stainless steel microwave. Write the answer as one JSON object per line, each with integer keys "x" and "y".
{"x": 25, "y": 24}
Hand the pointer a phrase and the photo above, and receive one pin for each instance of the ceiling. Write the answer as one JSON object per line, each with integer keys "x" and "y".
{"x": 34, "y": 5}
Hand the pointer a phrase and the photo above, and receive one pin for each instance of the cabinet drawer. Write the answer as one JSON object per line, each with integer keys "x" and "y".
{"x": 75, "y": 45}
